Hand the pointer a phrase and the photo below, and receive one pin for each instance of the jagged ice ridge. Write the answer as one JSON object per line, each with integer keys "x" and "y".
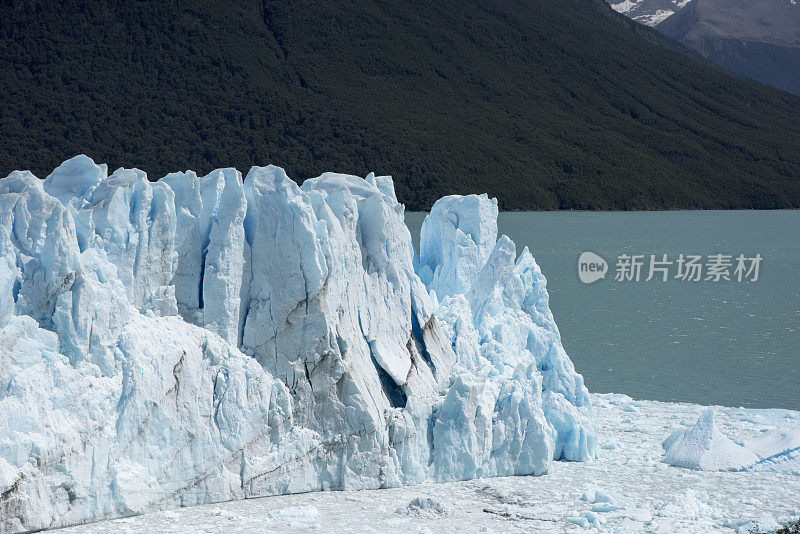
{"x": 202, "y": 339}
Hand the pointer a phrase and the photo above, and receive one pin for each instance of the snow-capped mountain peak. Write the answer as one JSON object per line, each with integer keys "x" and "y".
{"x": 649, "y": 12}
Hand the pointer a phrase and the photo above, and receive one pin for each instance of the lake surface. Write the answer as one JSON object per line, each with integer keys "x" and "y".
{"x": 728, "y": 342}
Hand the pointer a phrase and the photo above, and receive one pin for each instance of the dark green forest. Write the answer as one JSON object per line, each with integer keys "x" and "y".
{"x": 546, "y": 105}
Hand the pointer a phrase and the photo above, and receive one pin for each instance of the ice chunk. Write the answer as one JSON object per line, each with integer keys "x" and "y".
{"x": 704, "y": 447}
{"x": 75, "y": 180}
{"x": 456, "y": 239}
{"x": 592, "y": 517}
{"x": 341, "y": 317}
{"x": 190, "y": 236}
{"x": 212, "y": 252}
{"x": 359, "y": 188}
{"x": 424, "y": 506}
{"x": 602, "y": 500}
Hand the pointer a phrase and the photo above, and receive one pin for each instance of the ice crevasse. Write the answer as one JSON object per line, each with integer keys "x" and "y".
{"x": 201, "y": 339}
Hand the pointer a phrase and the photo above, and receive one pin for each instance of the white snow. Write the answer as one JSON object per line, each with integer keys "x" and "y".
{"x": 656, "y": 17}
{"x": 648, "y": 495}
{"x": 196, "y": 340}
{"x": 624, "y": 6}
{"x": 648, "y": 12}
{"x": 775, "y": 441}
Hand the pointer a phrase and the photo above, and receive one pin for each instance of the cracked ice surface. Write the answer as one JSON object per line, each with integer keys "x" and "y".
{"x": 202, "y": 339}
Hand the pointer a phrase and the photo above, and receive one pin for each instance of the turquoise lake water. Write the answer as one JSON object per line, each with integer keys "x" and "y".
{"x": 727, "y": 342}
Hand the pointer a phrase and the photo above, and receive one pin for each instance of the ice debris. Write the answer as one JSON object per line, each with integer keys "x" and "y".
{"x": 423, "y": 506}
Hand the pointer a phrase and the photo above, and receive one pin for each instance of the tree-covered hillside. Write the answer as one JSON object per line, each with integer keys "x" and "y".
{"x": 543, "y": 104}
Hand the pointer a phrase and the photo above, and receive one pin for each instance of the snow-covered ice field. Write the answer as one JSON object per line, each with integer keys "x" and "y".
{"x": 626, "y": 489}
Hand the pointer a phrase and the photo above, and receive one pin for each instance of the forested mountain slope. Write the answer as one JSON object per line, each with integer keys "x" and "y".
{"x": 545, "y": 105}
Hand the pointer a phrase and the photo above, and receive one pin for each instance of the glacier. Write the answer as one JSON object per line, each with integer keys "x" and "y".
{"x": 203, "y": 339}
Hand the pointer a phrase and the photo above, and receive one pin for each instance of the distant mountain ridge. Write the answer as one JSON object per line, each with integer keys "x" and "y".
{"x": 648, "y": 12}
{"x": 775, "y": 22}
{"x": 755, "y": 39}
{"x": 544, "y": 105}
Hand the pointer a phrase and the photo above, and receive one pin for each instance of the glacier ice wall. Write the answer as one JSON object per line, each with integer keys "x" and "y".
{"x": 495, "y": 309}
{"x": 200, "y": 339}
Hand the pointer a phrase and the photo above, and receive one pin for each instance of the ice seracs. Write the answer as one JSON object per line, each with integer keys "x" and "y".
{"x": 211, "y": 249}
{"x": 104, "y": 410}
{"x": 494, "y": 306}
{"x": 201, "y": 339}
{"x": 455, "y": 242}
